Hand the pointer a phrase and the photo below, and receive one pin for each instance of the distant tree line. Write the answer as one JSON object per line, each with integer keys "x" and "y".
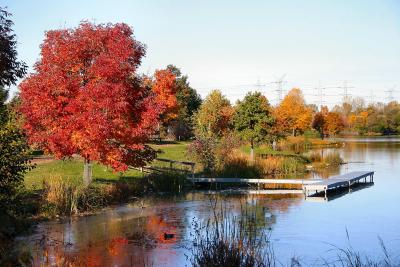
{"x": 374, "y": 118}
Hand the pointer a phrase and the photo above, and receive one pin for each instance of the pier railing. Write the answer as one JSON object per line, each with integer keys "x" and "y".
{"x": 171, "y": 166}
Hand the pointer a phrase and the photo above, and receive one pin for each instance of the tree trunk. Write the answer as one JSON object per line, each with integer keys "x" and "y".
{"x": 252, "y": 152}
{"x": 87, "y": 173}
{"x": 294, "y": 132}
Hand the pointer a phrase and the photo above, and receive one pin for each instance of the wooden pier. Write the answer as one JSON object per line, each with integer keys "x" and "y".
{"x": 254, "y": 181}
{"x": 338, "y": 193}
{"x": 340, "y": 181}
{"x": 308, "y": 185}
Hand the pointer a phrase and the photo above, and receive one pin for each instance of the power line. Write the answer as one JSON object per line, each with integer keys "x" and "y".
{"x": 279, "y": 87}
{"x": 390, "y": 92}
{"x": 345, "y": 95}
{"x": 371, "y": 97}
{"x": 320, "y": 95}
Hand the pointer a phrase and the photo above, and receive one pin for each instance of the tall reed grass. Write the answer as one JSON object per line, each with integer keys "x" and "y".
{"x": 226, "y": 240}
{"x": 281, "y": 165}
{"x": 240, "y": 166}
{"x": 65, "y": 197}
{"x": 61, "y": 196}
{"x": 322, "y": 160}
{"x": 333, "y": 158}
{"x": 296, "y": 144}
{"x": 300, "y": 144}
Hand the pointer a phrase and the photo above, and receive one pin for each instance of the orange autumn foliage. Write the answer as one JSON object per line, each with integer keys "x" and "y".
{"x": 333, "y": 123}
{"x": 85, "y": 96}
{"x": 165, "y": 90}
{"x": 292, "y": 114}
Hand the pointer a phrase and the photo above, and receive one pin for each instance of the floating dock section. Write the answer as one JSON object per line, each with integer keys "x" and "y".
{"x": 344, "y": 180}
{"x": 308, "y": 185}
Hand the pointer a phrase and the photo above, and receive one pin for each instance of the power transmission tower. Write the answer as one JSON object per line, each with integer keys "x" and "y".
{"x": 345, "y": 94}
{"x": 390, "y": 92}
{"x": 371, "y": 97}
{"x": 279, "y": 87}
{"x": 320, "y": 95}
{"x": 259, "y": 85}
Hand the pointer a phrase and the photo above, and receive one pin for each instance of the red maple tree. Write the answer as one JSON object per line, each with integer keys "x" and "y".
{"x": 85, "y": 96}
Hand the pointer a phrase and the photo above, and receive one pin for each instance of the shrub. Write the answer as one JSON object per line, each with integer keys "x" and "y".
{"x": 202, "y": 150}
{"x": 213, "y": 153}
{"x": 14, "y": 163}
{"x": 225, "y": 149}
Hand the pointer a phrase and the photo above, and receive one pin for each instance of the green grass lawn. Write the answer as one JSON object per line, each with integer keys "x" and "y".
{"x": 174, "y": 151}
{"x": 73, "y": 168}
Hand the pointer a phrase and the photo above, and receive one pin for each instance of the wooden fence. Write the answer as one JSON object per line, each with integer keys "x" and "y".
{"x": 171, "y": 166}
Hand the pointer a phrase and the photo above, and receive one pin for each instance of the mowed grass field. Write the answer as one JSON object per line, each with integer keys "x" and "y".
{"x": 72, "y": 169}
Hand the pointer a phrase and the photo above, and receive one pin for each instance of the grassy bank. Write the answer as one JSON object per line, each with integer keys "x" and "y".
{"x": 65, "y": 197}
{"x": 72, "y": 169}
{"x": 57, "y": 190}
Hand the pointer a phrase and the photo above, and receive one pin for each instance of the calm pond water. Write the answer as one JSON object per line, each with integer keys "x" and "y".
{"x": 130, "y": 235}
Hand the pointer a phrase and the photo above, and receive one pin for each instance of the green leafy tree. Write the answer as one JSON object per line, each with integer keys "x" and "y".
{"x": 13, "y": 147}
{"x": 214, "y": 117}
{"x": 3, "y": 106}
{"x": 10, "y": 68}
{"x": 14, "y": 158}
{"x": 253, "y": 119}
{"x": 14, "y": 162}
{"x": 189, "y": 102}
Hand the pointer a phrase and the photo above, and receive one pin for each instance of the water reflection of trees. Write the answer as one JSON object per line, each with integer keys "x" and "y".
{"x": 260, "y": 209}
{"x": 372, "y": 151}
{"x": 135, "y": 235}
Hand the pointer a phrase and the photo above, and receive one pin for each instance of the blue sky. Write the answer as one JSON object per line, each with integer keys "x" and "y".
{"x": 231, "y": 45}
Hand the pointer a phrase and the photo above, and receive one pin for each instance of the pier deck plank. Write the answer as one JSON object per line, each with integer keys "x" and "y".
{"x": 254, "y": 181}
{"x": 344, "y": 180}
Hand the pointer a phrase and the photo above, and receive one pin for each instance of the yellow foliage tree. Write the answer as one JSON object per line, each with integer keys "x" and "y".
{"x": 292, "y": 114}
{"x": 214, "y": 117}
{"x": 333, "y": 123}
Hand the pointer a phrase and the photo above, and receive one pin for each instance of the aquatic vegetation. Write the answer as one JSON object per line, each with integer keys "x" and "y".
{"x": 320, "y": 160}
{"x": 300, "y": 144}
{"x": 333, "y": 158}
{"x": 61, "y": 196}
{"x": 65, "y": 197}
{"x": 239, "y": 166}
{"x": 171, "y": 181}
{"x": 294, "y": 143}
{"x": 230, "y": 241}
{"x": 275, "y": 165}
{"x": 226, "y": 240}
{"x": 314, "y": 156}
